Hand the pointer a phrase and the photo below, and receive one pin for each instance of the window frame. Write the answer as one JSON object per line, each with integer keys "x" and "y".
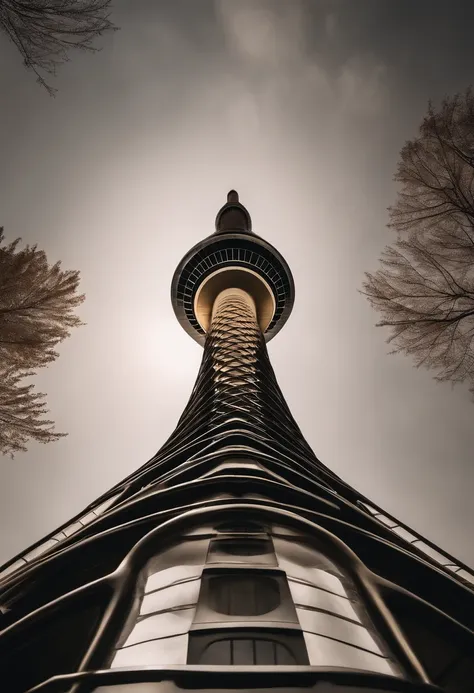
{"x": 292, "y": 640}
{"x": 206, "y": 617}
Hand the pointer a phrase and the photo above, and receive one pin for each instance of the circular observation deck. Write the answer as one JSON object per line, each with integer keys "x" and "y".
{"x": 232, "y": 257}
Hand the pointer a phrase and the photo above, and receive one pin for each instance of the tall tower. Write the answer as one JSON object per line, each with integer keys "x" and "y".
{"x": 234, "y": 560}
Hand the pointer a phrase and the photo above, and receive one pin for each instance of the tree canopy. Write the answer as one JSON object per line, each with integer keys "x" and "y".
{"x": 424, "y": 288}
{"x": 37, "y": 304}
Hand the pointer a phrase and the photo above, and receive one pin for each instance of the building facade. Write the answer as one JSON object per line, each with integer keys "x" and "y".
{"x": 234, "y": 559}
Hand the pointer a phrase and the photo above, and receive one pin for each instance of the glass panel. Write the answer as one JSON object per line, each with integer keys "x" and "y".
{"x": 168, "y": 576}
{"x": 404, "y": 533}
{"x": 239, "y": 551}
{"x": 283, "y": 655}
{"x": 386, "y": 520}
{"x": 368, "y": 507}
{"x": 432, "y": 553}
{"x": 59, "y": 536}
{"x": 11, "y": 568}
{"x": 236, "y": 547}
{"x": 247, "y": 651}
{"x": 319, "y": 578}
{"x": 181, "y": 594}
{"x": 231, "y": 527}
{"x": 298, "y": 553}
{"x": 39, "y": 550}
{"x": 304, "y": 595}
{"x": 106, "y": 504}
{"x": 166, "y": 651}
{"x": 218, "y": 652}
{"x": 162, "y": 625}
{"x": 265, "y": 651}
{"x": 243, "y": 595}
{"x": 88, "y": 518}
{"x": 337, "y": 628}
{"x": 467, "y": 576}
{"x": 329, "y": 653}
{"x": 72, "y": 528}
{"x": 243, "y": 651}
{"x": 187, "y": 552}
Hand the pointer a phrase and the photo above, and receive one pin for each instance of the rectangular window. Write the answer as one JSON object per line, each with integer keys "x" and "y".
{"x": 244, "y": 595}
{"x": 255, "y": 551}
{"x": 247, "y": 648}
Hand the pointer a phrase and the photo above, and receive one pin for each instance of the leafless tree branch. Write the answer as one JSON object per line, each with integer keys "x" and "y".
{"x": 424, "y": 288}
{"x": 45, "y": 30}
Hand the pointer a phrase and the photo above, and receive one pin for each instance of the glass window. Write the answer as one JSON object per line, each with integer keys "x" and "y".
{"x": 175, "y": 596}
{"x": 241, "y": 551}
{"x": 164, "y": 625}
{"x": 429, "y": 551}
{"x": 169, "y": 576}
{"x": 300, "y": 554}
{"x": 106, "y": 504}
{"x": 40, "y": 549}
{"x": 326, "y": 652}
{"x": 337, "y": 628}
{"x": 72, "y": 528}
{"x": 246, "y": 595}
{"x": 242, "y": 548}
{"x": 465, "y": 575}
{"x": 14, "y": 566}
{"x": 247, "y": 648}
{"x": 164, "y": 652}
{"x": 246, "y": 651}
{"x": 314, "y": 598}
{"x": 404, "y": 533}
{"x": 188, "y": 552}
{"x": 248, "y": 527}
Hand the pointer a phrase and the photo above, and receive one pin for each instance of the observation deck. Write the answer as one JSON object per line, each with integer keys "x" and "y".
{"x": 232, "y": 257}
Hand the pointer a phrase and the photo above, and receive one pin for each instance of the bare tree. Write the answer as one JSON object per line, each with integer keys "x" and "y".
{"x": 45, "y": 30}
{"x": 424, "y": 289}
{"x": 37, "y": 303}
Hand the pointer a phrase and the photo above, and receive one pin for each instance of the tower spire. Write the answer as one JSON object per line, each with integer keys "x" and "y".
{"x": 233, "y": 216}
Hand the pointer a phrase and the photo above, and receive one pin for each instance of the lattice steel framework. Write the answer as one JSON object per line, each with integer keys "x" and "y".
{"x": 234, "y": 559}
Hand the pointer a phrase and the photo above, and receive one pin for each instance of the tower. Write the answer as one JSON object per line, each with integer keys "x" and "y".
{"x": 234, "y": 559}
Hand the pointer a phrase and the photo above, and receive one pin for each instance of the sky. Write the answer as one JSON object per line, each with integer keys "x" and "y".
{"x": 300, "y": 105}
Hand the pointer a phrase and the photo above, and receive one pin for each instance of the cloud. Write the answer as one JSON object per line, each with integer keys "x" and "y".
{"x": 263, "y": 33}
{"x": 330, "y": 25}
{"x": 361, "y": 86}
{"x": 270, "y": 43}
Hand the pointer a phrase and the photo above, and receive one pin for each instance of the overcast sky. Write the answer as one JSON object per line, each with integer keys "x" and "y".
{"x": 302, "y": 106}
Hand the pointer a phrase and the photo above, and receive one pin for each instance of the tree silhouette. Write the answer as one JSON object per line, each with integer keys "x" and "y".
{"x": 21, "y": 413}
{"x": 424, "y": 289}
{"x": 45, "y": 30}
{"x": 37, "y": 303}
